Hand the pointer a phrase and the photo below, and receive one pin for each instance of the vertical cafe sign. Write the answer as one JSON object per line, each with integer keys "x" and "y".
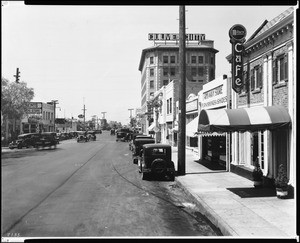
{"x": 237, "y": 34}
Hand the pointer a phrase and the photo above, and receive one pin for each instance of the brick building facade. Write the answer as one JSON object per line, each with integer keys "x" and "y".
{"x": 269, "y": 81}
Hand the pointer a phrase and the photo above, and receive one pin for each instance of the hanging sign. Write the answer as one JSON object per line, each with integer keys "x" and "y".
{"x": 237, "y": 34}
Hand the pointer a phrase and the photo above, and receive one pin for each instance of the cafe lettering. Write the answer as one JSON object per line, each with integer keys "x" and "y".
{"x": 237, "y": 34}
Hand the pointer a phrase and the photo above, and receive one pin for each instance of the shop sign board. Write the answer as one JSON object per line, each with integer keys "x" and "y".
{"x": 214, "y": 94}
{"x": 237, "y": 34}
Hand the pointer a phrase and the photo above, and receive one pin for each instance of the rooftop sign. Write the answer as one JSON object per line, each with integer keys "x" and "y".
{"x": 174, "y": 37}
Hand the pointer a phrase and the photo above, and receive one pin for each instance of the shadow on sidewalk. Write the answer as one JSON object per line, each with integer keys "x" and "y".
{"x": 211, "y": 165}
{"x": 247, "y": 192}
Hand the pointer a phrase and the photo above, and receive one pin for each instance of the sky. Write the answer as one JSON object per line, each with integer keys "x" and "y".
{"x": 89, "y": 55}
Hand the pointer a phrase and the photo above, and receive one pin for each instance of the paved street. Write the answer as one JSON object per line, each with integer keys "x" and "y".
{"x": 91, "y": 189}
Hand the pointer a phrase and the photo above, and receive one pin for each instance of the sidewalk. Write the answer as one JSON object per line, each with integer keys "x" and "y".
{"x": 232, "y": 203}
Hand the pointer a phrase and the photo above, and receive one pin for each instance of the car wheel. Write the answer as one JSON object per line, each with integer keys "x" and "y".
{"x": 145, "y": 176}
{"x": 172, "y": 177}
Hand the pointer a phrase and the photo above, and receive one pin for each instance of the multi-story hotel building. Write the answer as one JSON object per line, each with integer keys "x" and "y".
{"x": 159, "y": 65}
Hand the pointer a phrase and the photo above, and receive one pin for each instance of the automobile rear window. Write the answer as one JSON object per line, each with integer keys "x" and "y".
{"x": 161, "y": 151}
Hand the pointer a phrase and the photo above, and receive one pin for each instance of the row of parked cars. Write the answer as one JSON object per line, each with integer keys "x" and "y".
{"x": 153, "y": 159}
{"x": 36, "y": 140}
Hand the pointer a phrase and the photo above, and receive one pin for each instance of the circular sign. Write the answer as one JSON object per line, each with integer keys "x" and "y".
{"x": 237, "y": 32}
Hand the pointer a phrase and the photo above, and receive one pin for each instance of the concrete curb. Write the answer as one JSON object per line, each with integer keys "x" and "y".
{"x": 207, "y": 211}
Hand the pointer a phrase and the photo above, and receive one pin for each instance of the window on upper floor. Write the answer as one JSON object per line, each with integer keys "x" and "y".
{"x": 211, "y": 74}
{"x": 165, "y": 71}
{"x": 151, "y": 72}
{"x": 165, "y": 59}
{"x": 256, "y": 78}
{"x": 200, "y": 59}
{"x": 193, "y": 59}
{"x": 212, "y": 60}
{"x": 172, "y": 71}
{"x": 168, "y": 106}
{"x": 173, "y": 59}
{"x": 200, "y": 71}
{"x": 151, "y": 84}
{"x": 151, "y": 60}
{"x": 280, "y": 69}
{"x": 194, "y": 71}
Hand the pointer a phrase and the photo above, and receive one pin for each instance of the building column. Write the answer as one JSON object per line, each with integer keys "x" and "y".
{"x": 292, "y": 112}
{"x": 269, "y": 165}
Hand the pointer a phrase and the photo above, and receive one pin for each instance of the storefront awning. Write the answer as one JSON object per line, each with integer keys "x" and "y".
{"x": 192, "y": 127}
{"x": 243, "y": 119}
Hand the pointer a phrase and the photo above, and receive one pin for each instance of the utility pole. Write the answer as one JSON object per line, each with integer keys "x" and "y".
{"x": 54, "y": 102}
{"x": 182, "y": 93}
{"x": 84, "y": 115}
{"x": 17, "y": 75}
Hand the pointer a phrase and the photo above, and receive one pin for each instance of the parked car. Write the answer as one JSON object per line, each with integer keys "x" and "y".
{"x": 91, "y": 135}
{"x": 24, "y": 140}
{"x": 54, "y": 134}
{"x": 121, "y": 136}
{"x": 137, "y": 136}
{"x": 82, "y": 136}
{"x": 156, "y": 160}
{"x": 47, "y": 139}
{"x": 138, "y": 147}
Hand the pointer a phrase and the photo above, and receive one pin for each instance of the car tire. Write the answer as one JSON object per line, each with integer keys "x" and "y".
{"x": 145, "y": 176}
{"x": 172, "y": 177}
{"x": 158, "y": 166}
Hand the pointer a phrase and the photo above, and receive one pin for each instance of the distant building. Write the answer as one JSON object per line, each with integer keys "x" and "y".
{"x": 40, "y": 118}
{"x": 159, "y": 66}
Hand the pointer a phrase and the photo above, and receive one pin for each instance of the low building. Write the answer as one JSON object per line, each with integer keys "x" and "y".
{"x": 40, "y": 118}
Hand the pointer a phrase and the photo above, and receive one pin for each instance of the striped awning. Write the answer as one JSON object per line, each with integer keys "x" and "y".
{"x": 243, "y": 119}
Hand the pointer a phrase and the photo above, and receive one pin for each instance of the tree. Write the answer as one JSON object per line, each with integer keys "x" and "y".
{"x": 15, "y": 98}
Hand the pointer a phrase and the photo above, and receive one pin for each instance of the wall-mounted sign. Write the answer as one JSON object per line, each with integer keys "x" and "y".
{"x": 35, "y": 105}
{"x": 237, "y": 34}
{"x": 214, "y": 94}
{"x": 174, "y": 37}
{"x": 191, "y": 105}
{"x": 34, "y": 111}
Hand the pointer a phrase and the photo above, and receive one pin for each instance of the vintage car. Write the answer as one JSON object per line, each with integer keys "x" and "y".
{"x": 82, "y": 136}
{"x": 24, "y": 140}
{"x": 138, "y": 147}
{"x": 91, "y": 135}
{"x": 136, "y": 136}
{"x": 46, "y": 139}
{"x": 54, "y": 134}
{"x": 156, "y": 160}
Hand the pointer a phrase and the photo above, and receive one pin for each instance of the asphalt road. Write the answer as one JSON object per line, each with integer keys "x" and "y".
{"x": 91, "y": 189}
